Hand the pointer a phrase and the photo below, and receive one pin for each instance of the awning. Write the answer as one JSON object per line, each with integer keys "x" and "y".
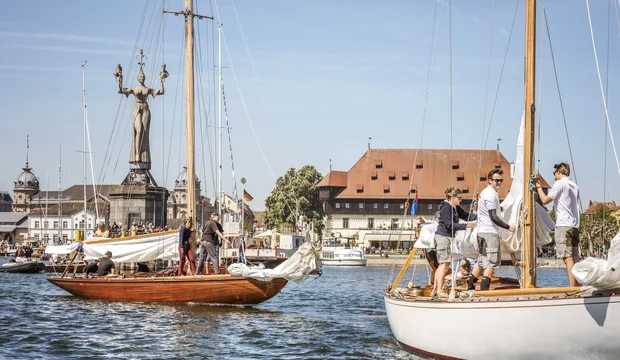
{"x": 388, "y": 237}
{"x": 7, "y": 228}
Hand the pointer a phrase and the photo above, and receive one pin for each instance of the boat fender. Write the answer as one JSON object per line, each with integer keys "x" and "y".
{"x": 281, "y": 254}
{"x": 485, "y": 283}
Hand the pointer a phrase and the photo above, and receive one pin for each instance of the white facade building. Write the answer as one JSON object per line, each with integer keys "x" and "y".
{"x": 51, "y": 228}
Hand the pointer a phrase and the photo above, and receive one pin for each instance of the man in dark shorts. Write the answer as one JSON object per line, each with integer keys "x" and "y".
{"x": 209, "y": 243}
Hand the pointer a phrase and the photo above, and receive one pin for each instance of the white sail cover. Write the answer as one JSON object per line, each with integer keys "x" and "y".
{"x": 465, "y": 243}
{"x": 600, "y": 273}
{"x": 302, "y": 263}
{"x": 61, "y": 249}
{"x": 164, "y": 246}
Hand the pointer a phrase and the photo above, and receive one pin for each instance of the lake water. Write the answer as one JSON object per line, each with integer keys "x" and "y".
{"x": 339, "y": 315}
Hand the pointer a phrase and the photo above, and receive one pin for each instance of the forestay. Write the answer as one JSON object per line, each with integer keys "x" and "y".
{"x": 144, "y": 248}
{"x": 600, "y": 273}
{"x": 305, "y": 261}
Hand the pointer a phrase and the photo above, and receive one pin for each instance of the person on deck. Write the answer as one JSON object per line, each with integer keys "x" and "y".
{"x": 185, "y": 249}
{"x": 208, "y": 245}
{"x": 91, "y": 268}
{"x": 449, "y": 214}
{"x": 488, "y": 237}
{"x": 106, "y": 265}
{"x": 102, "y": 231}
{"x": 567, "y": 204}
{"x": 431, "y": 253}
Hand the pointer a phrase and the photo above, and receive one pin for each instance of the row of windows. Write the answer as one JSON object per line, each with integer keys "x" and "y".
{"x": 65, "y": 224}
{"x": 375, "y": 206}
{"x": 371, "y": 223}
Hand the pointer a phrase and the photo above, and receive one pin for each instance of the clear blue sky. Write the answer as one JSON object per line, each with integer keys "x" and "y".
{"x": 330, "y": 75}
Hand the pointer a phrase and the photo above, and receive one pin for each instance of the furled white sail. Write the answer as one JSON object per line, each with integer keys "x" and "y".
{"x": 61, "y": 249}
{"x": 513, "y": 204}
{"x": 303, "y": 262}
{"x": 164, "y": 246}
{"x": 600, "y": 273}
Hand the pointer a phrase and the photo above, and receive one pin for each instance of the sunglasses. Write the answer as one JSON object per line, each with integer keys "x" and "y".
{"x": 498, "y": 180}
{"x": 459, "y": 197}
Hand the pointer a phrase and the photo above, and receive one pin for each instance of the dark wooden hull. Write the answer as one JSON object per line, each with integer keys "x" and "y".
{"x": 214, "y": 289}
{"x": 29, "y": 267}
{"x": 61, "y": 268}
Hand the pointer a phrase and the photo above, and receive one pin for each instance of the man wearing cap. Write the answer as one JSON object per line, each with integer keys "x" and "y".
{"x": 209, "y": 245}
{"x": 488, "y": 231}
{"x": 106, "y": 265}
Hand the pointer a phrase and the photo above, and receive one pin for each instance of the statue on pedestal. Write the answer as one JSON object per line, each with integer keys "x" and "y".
{"x": 140, "y": 156}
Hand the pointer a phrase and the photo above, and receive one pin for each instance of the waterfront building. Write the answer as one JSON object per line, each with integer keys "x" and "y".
{"x": 13, "y": 227}
{"x": 26, "y": 186}
{"x": 372, "y": 202}
{"x": 6, "y": 202}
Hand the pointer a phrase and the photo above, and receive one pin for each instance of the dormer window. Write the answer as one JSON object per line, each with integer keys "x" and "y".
{"x": 404, "y": 175}
{"x": 419, "y": 164}
{"x": 360, "y": 188}
{"x": 386, "y": 189}
{"x": 378, "y": 164}
{"x": 498, "y": 165}
{"x": 483, "y": 178}
{"x": 455, "y": 164}
{"x": 412, "y": 191}
{"x": 391, "y": 176}
{"x": 373, "y": 176}
{"x": 460, "y": 176}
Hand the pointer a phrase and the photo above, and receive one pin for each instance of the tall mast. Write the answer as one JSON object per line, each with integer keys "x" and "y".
{"x": 189, "y": 108}
{"x": 219, "y": 126}
{"x": 47, "y": 195}
{"x": 83, "y": 148}
{"x": 60, "y": 193}
{"x": 529, "y": 246}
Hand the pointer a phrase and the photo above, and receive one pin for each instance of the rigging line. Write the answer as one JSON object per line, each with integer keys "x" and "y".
{"x": 232, "y": 162}
{"x": 247, "y": 114}
{"x": 114, "y": 127}
{"x": 431, "y": 67}
{"x": 203, "y": 104}
{"x": 174, "y": 113}
{"x": 606, "y": 100}
{"x": 617, "y": 19}
{"x": 247, "y": 49}
{"x": 557, "y": 84}
{"x": 486, "y": 97}
{"x": 501, "y": 74}
{"x": 540, "y": 88}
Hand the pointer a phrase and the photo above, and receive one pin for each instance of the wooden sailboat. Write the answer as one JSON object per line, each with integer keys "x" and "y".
{"x": 221, "y": 289}
{"x": 532, "y": 322}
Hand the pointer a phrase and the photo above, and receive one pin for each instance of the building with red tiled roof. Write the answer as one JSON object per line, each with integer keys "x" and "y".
{"x": 595, "y": 206}
{"x": 378, "y": 191}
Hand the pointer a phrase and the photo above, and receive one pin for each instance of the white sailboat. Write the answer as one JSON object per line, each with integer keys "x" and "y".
{"x": 534, "y": 322}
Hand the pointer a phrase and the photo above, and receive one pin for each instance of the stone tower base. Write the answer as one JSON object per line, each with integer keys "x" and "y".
{"x": 129, "y": 203}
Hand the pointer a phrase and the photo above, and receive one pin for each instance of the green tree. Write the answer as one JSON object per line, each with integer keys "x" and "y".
{"x": 598, "y": 229}
{"x": 295, "y": 187}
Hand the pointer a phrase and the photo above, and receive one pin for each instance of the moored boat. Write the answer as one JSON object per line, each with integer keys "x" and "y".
{"x": 24, "y": 267}
{"x": 341, "y": 256}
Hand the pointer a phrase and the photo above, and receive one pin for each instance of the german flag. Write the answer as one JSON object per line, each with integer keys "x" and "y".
{"x": 247, "y": 196}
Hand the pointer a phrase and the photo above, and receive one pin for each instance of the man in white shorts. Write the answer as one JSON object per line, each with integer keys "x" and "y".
{"x": 489, "y": 223}
{"x": 565, "y": 196}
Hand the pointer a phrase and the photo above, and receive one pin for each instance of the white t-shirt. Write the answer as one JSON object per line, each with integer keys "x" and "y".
{"x": 565, "y": 195}
{"x": 487, "y": 203}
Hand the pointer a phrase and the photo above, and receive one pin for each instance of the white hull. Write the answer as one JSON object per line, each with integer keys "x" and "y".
{"x": 526, "y": 329}
{"x": 343, "y": 262}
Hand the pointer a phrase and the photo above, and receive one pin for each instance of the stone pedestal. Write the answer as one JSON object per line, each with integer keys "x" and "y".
{"x": 129, "y": 203}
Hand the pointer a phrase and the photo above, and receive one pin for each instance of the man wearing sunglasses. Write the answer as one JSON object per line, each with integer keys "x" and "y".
{"x": 565, "y": 196}
{"x": 488, "y": 238}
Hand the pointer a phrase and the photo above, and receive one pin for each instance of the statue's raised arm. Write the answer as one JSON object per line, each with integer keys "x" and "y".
{"x": 162, "y": 77}
{"x": 118, "y": 75}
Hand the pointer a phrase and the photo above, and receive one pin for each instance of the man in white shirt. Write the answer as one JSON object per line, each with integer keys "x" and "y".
{"x": 565, "y": 196}
{"x": 488, "y": 237}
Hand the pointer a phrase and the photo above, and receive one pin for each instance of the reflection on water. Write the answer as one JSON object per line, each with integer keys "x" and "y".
{"x": 340, "y": 315}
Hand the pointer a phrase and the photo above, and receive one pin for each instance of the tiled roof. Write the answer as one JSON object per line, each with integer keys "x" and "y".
{"x": 75, "y": 192}
{"x": 67, "y": 209}
{"x": 595, "y": 207}
{"x": 392, "y": 173}
{"x": 12, "y": 217}
{"x": 335, "y": 178}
